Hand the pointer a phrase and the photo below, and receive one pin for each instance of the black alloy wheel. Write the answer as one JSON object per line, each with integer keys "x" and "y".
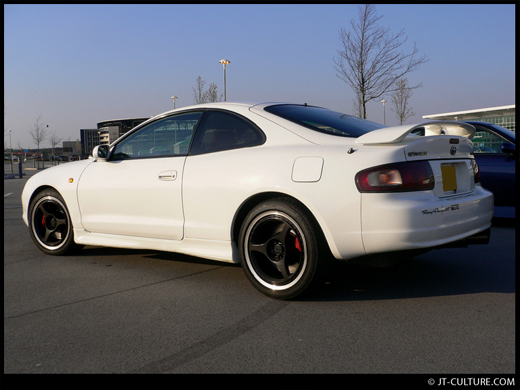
{"x": 50, "y": 224}
{"x": 278, "y": 248}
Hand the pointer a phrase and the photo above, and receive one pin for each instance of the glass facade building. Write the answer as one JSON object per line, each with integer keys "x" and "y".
{"x": 106, "y": 133}
{"x": 89, "y": 139}
{"x": 504, "y": 116}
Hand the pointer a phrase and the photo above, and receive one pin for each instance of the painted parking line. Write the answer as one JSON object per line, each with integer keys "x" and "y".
{"x": 8, "y": 194}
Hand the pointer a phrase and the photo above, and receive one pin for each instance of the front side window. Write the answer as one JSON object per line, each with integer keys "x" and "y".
{"x": 219, "y": 131}
{"x": 485, "y": 141}
{"x": 167, "y": 137}
{"x": 324, "y": 120}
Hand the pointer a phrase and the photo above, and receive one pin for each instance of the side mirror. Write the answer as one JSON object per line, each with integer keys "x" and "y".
{"x": 100, "y": 152}
{"x": 508, "y": 148}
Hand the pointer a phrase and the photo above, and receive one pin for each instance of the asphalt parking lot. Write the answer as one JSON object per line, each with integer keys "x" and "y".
{"x": 104, "y": 310}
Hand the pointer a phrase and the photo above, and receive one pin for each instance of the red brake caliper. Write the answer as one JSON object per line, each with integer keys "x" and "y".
{"x": 297, "y": 244}
{"x": 43, "y": 220}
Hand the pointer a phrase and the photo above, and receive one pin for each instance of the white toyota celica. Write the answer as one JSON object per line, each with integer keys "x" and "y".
{"x": 280, "y": 188}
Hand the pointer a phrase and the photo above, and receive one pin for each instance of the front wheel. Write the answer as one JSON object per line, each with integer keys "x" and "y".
{"x": 50, "y": 224}
{"x": 279, "y": 249}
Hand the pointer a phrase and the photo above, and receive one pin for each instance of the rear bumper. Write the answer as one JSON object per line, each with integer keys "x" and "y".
{"x": 420, "y": 220}
{"x": 390, "y": 258}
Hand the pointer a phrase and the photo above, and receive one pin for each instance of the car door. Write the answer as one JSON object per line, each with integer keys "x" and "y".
{"x": 497, "y": 169}
{"x": 214, "y": 182}
{"x": 137, "y": 191}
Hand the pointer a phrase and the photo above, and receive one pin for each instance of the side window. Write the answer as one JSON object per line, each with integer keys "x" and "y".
{"x": 486, "y": 141}
{"x": 220, "y": 131}
{"x": 166, "y": 137}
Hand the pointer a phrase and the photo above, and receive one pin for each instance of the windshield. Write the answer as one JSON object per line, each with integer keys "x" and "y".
{"x": 324, "y": 120}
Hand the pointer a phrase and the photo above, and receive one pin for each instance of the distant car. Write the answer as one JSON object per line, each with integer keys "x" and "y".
{"x": 495, "y": 151}
{"x": 280, "y": 188}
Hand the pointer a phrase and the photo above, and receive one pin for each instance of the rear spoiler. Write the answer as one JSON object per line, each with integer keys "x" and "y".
{"x": 395, "y": 134}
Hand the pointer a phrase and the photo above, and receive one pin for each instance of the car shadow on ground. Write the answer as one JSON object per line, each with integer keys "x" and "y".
{"x": 504, "y": 222}
{"x": 437, "y": 273}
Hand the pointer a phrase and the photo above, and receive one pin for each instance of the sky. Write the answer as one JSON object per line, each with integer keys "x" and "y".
{"x": 77, "y": 65}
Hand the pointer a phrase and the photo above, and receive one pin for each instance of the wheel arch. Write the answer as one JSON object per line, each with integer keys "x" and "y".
{"x": 68, "y": 196}
{"x": 60, "y": 244}
{"x": 35, "y": 192}
{"x": 256, "y": 199}
{"x": 44, "y": 187}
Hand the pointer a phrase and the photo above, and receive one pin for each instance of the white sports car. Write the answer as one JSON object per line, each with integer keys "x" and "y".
{"x": 280, "y": 188}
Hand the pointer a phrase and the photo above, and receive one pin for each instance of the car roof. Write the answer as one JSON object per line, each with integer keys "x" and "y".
{"x": 252, "y": 103}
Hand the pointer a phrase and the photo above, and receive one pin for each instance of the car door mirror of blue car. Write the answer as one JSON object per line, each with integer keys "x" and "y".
{"x": 508, "y": 148}
{"x": 100, "y": 152}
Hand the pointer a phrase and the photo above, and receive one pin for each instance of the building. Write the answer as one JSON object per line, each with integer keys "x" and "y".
{"x": 113, "y": 129}
{"x": 72, "y": 148}
{"x": 502, "y": 116}
{"x": 89, "y": 139}
{"x": 106, "y": 133}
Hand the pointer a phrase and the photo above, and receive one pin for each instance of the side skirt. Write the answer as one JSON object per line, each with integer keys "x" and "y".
{"x": 225, "y": 251}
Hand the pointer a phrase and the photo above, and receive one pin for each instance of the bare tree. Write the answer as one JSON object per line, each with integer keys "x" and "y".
{"x": 198, "y": 91}
{"x": 357, "y": 106}
{"x": 400, "y": 101}
{"x": 371, "y": 60}
{"x": 212, "y": 94}
{"x": 38, "y": 132}
{"x": 55, "y": 140}
{"x": 200, "y": 96}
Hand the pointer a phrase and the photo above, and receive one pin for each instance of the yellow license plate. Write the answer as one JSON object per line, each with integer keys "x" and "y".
{"x": 449, "y": 178}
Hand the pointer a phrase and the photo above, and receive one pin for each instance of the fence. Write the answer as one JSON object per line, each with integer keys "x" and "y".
{"x": 17, "y": 167}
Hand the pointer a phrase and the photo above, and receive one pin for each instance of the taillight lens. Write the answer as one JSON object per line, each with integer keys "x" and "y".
{"x": 476, "y": 171}
{"x": 398, "y": 177}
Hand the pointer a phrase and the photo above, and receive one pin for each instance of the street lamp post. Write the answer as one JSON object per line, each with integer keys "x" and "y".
{"x": 174, "y": 98}
{"x": 10, "y": 144}
{"x": 11, "y": 147}
{"x": 384, "y": 111}
{"x": 224, "y": 63}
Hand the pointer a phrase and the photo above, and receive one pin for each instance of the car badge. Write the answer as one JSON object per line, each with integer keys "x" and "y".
{"x": 453, "y": 150}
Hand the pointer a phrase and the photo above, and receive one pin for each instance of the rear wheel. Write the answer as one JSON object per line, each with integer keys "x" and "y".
{"x": 50, "y": 224}
{"x": 279, "y": 249}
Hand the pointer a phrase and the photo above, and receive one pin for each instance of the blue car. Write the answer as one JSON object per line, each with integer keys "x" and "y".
{"x": 494, "y": 149}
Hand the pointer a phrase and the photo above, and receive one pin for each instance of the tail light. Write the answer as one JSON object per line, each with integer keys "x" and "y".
{"x": 398, "y": 177}
{"x": 476, "y": 171}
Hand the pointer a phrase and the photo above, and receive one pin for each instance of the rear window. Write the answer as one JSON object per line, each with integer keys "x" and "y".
{"x": 324, "y": 120}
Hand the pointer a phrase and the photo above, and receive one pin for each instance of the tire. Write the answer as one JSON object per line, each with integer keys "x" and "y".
{"x": 50, "y": 225}
{"x": 279, "y": 249}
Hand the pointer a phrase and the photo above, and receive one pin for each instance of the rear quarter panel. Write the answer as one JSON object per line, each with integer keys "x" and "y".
{"x": 217, "y": 184}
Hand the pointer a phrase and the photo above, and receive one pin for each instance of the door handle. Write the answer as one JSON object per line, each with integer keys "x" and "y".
{"x": 168, "y": 175}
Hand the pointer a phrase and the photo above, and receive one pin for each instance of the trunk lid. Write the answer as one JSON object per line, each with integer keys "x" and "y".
{"x": 396, "y": 134}
{"x": 445, "y": 145}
